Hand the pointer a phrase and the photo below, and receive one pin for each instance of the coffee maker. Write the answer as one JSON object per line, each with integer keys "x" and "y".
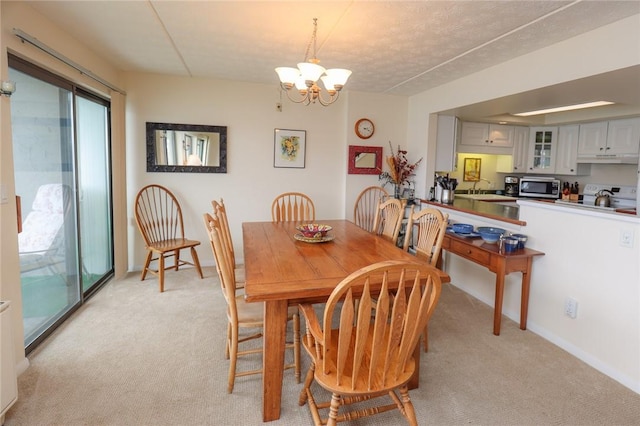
{"x": 511, "y": 186}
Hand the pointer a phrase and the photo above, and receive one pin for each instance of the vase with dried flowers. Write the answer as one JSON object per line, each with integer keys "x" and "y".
{"x": 400, "y": 170}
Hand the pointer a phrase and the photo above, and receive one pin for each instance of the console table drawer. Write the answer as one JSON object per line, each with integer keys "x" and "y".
{"x": 470, "y": 252}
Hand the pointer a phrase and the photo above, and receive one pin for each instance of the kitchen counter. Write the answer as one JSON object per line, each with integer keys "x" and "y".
{"x": 505, "y": 212}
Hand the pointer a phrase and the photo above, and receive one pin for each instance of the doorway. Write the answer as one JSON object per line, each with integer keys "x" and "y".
{"x": 61, "y": 150}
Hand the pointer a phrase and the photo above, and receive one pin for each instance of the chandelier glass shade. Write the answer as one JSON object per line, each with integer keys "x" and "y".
{"x": 305, "y": 78}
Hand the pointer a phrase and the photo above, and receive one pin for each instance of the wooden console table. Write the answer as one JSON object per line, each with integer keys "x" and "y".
{"x": 502, "y": 264}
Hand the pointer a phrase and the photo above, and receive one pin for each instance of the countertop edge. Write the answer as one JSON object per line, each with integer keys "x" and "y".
{"x": 489, "y": 216}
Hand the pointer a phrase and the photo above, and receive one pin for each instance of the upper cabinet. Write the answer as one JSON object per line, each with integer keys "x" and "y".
{"x": 520, "y": 148}
{"x": 543, "y": 143}
{"x": 516, "y": 161}
{"x": 447, "y": 134}
{"x": 593, "y": 139}
{"x": 486, "y": 138}
{"x": 614, "y": 141}
{"x": 623, "y": 136}
{"x": 567, "y": 152}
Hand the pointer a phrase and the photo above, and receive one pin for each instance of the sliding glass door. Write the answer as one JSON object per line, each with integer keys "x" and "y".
{"x": 62, "y": 173}
{"x": 94, "y": 183}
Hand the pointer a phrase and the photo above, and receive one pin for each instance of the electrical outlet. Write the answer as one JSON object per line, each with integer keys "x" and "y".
{"x": 626, "y": 238}
{"x": 571, "y": 307}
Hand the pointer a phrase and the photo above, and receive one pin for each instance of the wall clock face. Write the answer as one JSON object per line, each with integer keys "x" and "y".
{"x": 364, "y": 128}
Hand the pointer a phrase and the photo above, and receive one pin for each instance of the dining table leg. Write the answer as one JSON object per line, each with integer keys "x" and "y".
{"x": 275, "y": 328}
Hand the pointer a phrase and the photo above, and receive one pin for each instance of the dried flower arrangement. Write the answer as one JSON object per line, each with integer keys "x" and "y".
{"x": 400, "y": 170}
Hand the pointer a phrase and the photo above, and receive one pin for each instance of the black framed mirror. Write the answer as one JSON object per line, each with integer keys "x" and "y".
{"x": 190, "y": 148}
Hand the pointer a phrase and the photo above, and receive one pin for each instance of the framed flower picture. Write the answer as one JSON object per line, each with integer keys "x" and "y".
{"x": 289, "y": 148}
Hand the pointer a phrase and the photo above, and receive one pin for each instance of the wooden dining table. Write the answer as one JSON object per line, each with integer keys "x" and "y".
{"x": 282, "y": 271}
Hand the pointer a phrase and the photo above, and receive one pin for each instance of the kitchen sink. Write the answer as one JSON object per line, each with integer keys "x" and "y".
{"x": 486, "y": 197}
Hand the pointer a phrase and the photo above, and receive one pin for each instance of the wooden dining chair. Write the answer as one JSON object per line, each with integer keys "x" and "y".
{"x": 366, "y": 206}
{"x": 159, "y": 218}
{"x": 220, "y": 211}
{"x": 388, "y": 220}
{"x": 361, "y": 350}
{"x": 240, "y": 314}
{"x": 293, "y": 207}
{"x": 424, "y": 234}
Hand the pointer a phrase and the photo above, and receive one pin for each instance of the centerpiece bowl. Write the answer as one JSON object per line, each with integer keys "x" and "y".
{"x": 314, "y": 230}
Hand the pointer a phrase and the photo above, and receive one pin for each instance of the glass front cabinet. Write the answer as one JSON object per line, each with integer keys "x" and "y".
{"x": 542, "y": 150}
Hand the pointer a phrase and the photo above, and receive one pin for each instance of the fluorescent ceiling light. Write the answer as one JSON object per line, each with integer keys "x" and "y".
{"x": 564, "y": 108}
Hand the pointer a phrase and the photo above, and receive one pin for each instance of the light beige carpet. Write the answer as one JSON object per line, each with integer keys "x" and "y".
{"x": 133, "y": 356}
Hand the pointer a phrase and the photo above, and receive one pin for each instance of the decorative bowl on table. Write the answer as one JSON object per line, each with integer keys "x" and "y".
{"x": 490, "y": 234}
{"x": 314, "y": 230}
{"x": 462, "y": 228}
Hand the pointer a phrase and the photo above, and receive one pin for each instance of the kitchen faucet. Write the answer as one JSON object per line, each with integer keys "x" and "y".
{"x": 473, "y": 191}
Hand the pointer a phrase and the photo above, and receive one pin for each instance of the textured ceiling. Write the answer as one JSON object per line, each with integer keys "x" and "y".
{"x": 398, "y": 47}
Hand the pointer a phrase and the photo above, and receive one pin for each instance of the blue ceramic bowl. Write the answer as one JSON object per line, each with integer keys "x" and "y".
{"x": 462, "y": 228}
{"x": 490, "y": 237}
{"x": 482, "y": 229}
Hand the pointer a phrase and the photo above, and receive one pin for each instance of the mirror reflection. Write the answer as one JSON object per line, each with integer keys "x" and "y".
{"x": 186, "y": 148}
{"x": 177, "y": 148}
{"x": 365, "y": 160}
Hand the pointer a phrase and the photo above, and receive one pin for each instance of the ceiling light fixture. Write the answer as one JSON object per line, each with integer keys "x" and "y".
{"x": 564, "y": 108}
{"x": 306, "y": 76}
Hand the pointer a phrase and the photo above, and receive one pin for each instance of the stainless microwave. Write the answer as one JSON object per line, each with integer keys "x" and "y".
{"x": 539, "y": 187}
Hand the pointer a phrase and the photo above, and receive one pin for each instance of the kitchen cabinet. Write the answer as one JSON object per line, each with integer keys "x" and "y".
{"x": 520, "y": 148}
{"x": 541, "y": 156}
{"x": 517, "y": 161}
{"x": 593, "y": 139}
{"x": 447, "y": 134}
{"x": 486, "y": 138}
{"x": 614, "y": 138}
{"x": 623, "y": 136}
{"x": 567, "y": 152}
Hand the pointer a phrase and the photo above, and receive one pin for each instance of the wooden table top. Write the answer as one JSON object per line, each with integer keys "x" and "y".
{"x": 279, "y": 267}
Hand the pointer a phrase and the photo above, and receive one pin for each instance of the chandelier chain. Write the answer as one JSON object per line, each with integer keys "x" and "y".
{"x": 312, "y": 41}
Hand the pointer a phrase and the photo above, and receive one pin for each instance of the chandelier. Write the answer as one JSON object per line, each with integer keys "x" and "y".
{"x": 305, "y": 78}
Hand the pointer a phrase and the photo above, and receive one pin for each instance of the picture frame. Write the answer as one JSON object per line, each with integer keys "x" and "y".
{"x": 472, "y": 169}
{"x": 289, "y": 148}
{"x": 365, "y": 160}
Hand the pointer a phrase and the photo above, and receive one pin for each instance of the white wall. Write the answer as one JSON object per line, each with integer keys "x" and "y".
{"x": 389, "y": 115}
{"x": 251, "y": 182}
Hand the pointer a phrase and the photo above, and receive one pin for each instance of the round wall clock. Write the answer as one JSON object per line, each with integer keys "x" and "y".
{"x": 364, "y": 128}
